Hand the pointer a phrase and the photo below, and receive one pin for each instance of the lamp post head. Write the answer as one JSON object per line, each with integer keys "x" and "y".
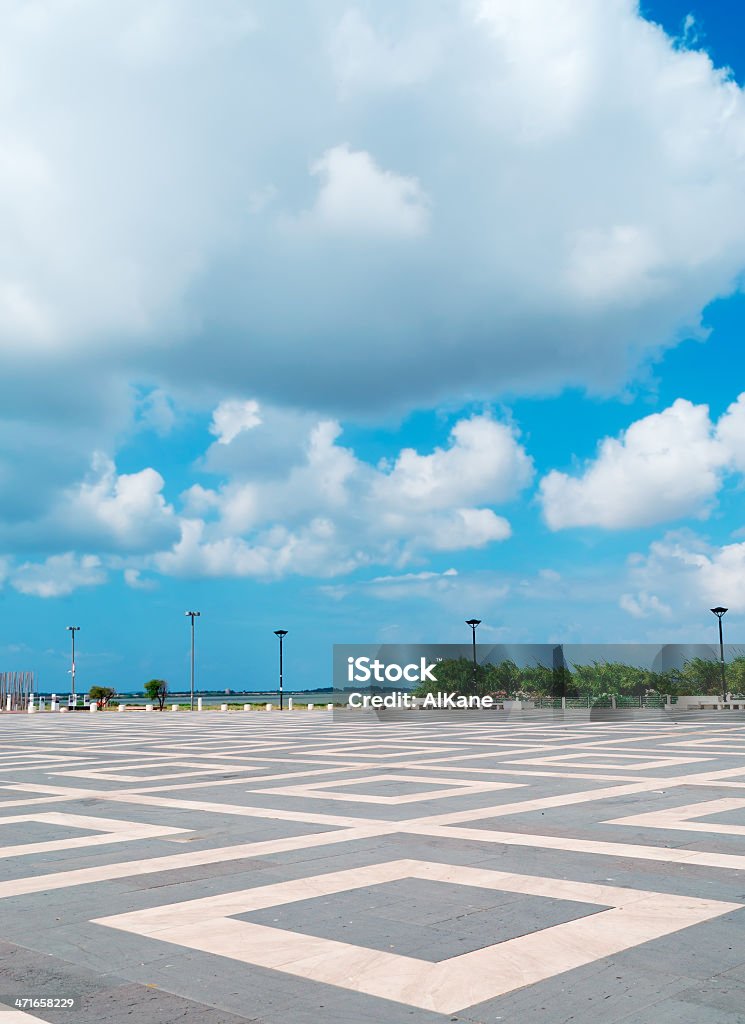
{"x": 73, "y": 628}
{"x": 280, "y": 633}
{"x": 192, "y": 614}
{"x": 719, "y": 612}
{"x": 473, "y": 623}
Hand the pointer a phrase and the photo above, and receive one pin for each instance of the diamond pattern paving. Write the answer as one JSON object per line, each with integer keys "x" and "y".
{"x": 289, "y": 868}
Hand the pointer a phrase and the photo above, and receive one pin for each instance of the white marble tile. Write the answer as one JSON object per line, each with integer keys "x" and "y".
{"x": 449, "y": 986}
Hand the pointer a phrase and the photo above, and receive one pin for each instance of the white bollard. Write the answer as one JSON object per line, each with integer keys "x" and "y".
{"x": 7, "y": 703}
{"x": 149, "y": 707}
{"x": 269, "y": 707}
{"x": 122, "y": 707}
{"x": 94, "y": 706}
{"x": 246, "y": 707}
{"x": 54, "y": 705}
{"x": 223, "y": 707}
{"x": 174, "y": 707}
{"x": 310, "y": 707}
{"x": 31, "y": 706}
{"x": 199, "y": 703}
{"x": 289, "y": 703}
{"x": 329, "y": 707}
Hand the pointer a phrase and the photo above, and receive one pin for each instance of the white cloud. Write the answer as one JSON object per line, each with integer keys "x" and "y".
{"x": 731, "y": 433}
{"x": 108, "y": 510}
{"x": 134, "y": 579}
{"x": 576, "y": 173}
{"x": 128, "y": 506}
{"x": 357, "y": 197}
{"x": 232, "y": 417}
{"x": 449, "y": 589}
{"x": 645, "y": 605}
{"x": 58, "y": 575}
{"x": 332, "y": 512}
{"x": 663, "y": 467}
{"x": 482, "y": 463}
{"x": 311, "y": 551}
{"x": 690, "y": 574}
{"x": 408, "y": 577}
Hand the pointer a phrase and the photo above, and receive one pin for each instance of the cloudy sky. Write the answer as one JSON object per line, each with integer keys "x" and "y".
{"x": 360, "y": 319}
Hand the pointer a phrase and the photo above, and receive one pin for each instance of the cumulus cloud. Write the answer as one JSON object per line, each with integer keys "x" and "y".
{"x": 644, "y": 605}
{"x": 482, "y": 461}
{"x": 688, "y": 573}
{"x": 358, "y": 198}
{"x": 58, "y": 575}
{"x": 129, "y": 507}
{"x": 394, "y": 206}
{"x": 663, "y": 467}
{"x": 108, "y": 510}
{"x": 134, "y": 579}
{"x": 232, "y": 417}
{"x": 538, "y": 191}
{"x": 332, "y": 512}
{"x": 731, "y": 433}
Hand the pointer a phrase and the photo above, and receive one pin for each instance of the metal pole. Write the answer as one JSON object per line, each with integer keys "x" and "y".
{"x": 473, "y": 623}
{"x": 73, "y": 630}
{"x": 281, "y": 633}
{"x": 473, "y": 628}
{"x": 191, "y": 688}
{"x": 192, "y": 616}
{"x": 719, "y": 612}
{"x": 281, "y": 681}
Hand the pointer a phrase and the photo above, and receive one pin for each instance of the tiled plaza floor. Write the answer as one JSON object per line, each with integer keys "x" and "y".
{"x": 221, "y": 868}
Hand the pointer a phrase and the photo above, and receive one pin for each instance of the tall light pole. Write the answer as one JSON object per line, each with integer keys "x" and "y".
{"x": 719, "y": 612}
{"x": 473, "y": 623}
{"x": 281, "y": 633}
{"x": 192, "y": 616}
{"x": 73, "y": 630}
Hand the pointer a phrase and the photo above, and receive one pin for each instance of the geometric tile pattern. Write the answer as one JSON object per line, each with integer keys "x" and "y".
{"x": 133, "y": 846}
{"x": 634, "y": 916}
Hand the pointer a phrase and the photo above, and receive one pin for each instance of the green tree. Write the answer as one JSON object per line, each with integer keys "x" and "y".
{"x": 504, "y": 677}
{"x": 540, "y": 680}
{"x": 735, "y": 675}
{"x": 701, "y": 676}
{"x": 101, "y": 695}
{"x": 157, "y": 690}
{"x": 454, "y": 675}
{"x": 457, "y": 675}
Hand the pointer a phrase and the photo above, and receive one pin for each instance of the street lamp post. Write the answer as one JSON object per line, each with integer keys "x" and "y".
{"x": 719, "y": 612}
{"x": 73, "y": 630}
{"x": 473, "y": 623}
{"x": 281, "y": 633}
{"x": 192, "y": 616}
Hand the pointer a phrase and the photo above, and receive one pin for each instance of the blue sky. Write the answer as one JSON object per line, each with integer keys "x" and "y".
{"x": 360, "y": 321}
